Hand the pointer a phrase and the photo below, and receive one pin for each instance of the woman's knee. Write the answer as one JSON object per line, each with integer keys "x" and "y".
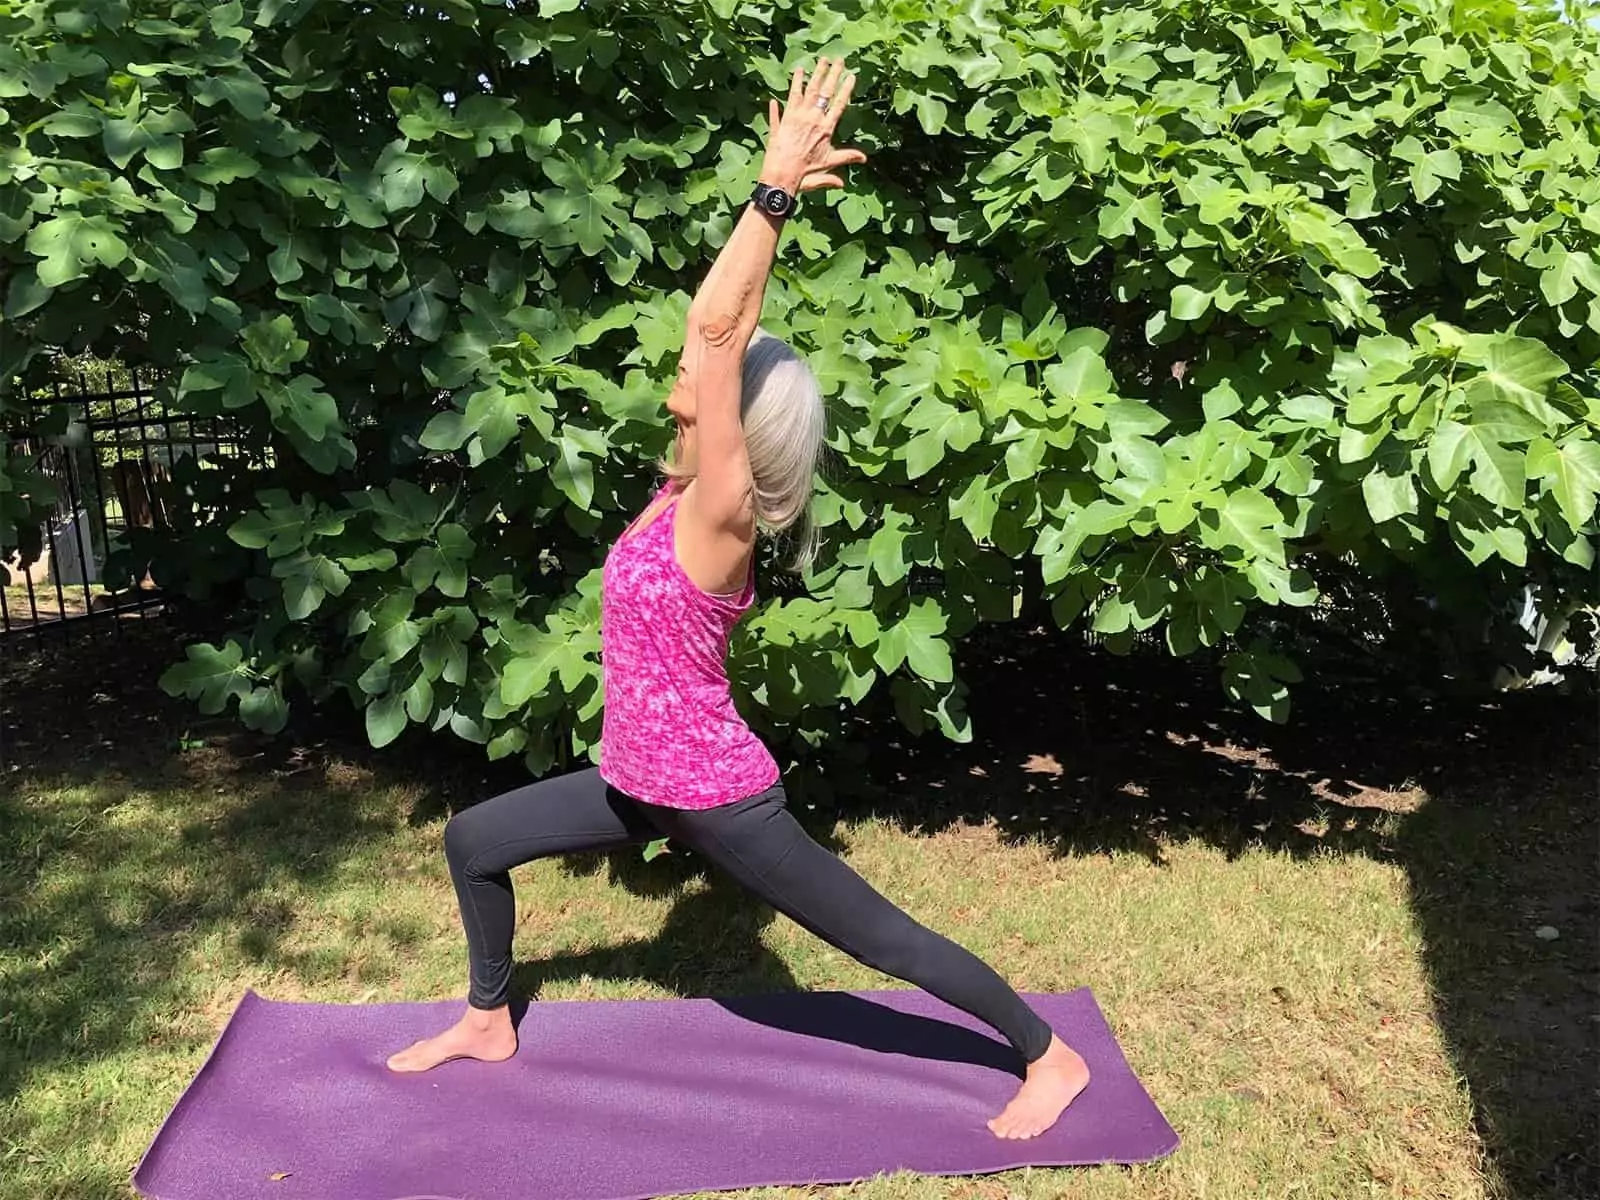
{"x": 463, "y": 839}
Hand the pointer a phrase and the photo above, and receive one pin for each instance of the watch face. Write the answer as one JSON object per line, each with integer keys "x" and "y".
{"x": 777, "y": 201}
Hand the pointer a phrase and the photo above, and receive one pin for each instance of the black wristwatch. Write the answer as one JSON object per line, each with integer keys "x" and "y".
{"x": 773, "y": 201}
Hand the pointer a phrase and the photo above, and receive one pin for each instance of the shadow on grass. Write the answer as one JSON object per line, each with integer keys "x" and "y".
{"x": 114, "y": 867}
{"x": 1490, "y": 809}
{"x": 1490, "y": 866}
{"x": 99, "y": 914}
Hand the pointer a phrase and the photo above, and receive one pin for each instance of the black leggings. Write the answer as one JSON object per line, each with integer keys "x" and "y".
{"x": 757, "y": 842}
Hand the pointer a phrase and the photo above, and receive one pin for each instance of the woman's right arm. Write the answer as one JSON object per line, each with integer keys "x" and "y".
{"x": 800, "y": 158}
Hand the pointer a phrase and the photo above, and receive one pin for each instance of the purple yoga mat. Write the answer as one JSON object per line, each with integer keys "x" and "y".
{"x": 624, "y": 1100}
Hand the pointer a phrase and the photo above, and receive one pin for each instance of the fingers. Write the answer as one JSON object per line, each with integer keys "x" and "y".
{"x": 824, "y": 176}
{"x": 828, "y": 81}
{"x": 818, "y": 182}
{"x": 841, "y": 99}
{"x": 774, "y": 116}
{"x": 824, "y": 81}
{"x": 813, "y": 85}
{"x": 830, "y": 70}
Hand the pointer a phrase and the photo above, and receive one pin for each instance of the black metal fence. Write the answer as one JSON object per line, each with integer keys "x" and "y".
{"x": 109, "y": 444}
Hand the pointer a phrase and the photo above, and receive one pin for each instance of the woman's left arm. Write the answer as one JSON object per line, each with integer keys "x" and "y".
{"x": 723, "y": 317}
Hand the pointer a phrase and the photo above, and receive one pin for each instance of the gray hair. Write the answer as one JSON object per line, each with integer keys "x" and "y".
{"x": 784, "y": 422}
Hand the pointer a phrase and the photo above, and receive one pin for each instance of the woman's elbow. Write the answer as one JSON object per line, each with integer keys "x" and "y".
{"x": 718, "y": 332}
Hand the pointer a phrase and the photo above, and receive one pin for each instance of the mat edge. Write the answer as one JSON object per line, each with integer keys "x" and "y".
{"x": 869, "y": 993}
{"x": 250, "y": 996}
{"x": 848, "y": 1180}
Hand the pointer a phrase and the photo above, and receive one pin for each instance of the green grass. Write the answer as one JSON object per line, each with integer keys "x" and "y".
{"x": 1319, "y": 1004}
{"x": 48, "y": 602}
{"x": 1277, "y": 1008}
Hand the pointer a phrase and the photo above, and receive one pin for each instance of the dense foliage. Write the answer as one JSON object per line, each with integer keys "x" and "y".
{"x": 1167, "y": 317}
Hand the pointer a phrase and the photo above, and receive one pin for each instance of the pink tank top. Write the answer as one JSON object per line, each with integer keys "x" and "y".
{"x": 670, "y": 734}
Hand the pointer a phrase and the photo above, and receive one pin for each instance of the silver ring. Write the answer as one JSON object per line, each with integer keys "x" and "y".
{"x": 823, "y": 102}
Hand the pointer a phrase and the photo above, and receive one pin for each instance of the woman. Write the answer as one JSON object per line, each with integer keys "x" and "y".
{"x": 676, "y": 760}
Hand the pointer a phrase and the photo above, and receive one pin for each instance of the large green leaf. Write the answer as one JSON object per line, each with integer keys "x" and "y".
{"x": 1573, "y": 472}
{"x": 240, "y": 89}
{"x": 1449, "y": 453}
{"x": 308, "y": 579}
{"x": 1261, "y": 679}
{"x": 1389, "y": 496}
{"x": 1080, "y": 376}
{"x": 1517, "y": 370}
{"x": 572, "y": 472}
{"x": 302, "y": 403}
{"x": 975, "y": 506}
{"x": 278, "y": 531}
{"x": 391, "y": 632}
{"x": 1189, "y": 303}
{"x": 386, "y": 719}
{"x": 534, "y": 668}
{"x": 70, "y": 245}
{"x": 273, "y": 344}
{"x": 917, "y": 640}
{"x": 264, "y": 709}
{"x": 208, "y": 674}
{"x": 1246, "y": 522}
{"x": 155, "y": 133}
{"x": 1499, "y": 473}
{"x": 943, "y": 428}
{"x": 1565, "y": 271}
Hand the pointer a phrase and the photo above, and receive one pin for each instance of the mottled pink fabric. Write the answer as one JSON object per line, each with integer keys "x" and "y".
{"x": 670, "y": 733}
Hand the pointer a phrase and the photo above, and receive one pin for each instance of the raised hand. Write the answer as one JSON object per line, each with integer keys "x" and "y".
{"x": 801, "y": 156}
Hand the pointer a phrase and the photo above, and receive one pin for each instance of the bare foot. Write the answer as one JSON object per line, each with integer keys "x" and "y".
{"x": 1053, "y": 1082}
{"x": 486, "y": 1035}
